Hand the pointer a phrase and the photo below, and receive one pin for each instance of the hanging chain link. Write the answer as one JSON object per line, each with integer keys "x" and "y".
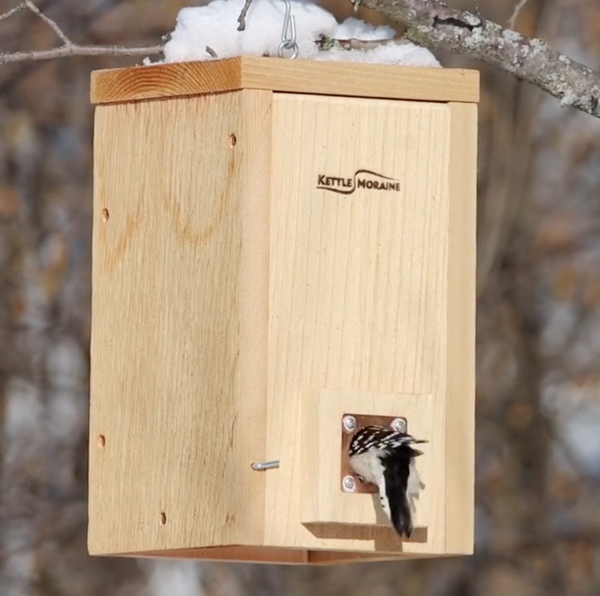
{"x": 288, "y": 34}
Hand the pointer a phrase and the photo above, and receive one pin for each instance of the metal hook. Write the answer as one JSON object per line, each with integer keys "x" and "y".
{"x": 288, "y": 41}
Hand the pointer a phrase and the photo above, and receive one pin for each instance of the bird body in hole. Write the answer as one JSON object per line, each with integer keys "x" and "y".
{"x": 386, "y": 458}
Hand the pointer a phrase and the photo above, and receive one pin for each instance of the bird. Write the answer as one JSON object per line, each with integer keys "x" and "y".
{"x": 386, "y": 458}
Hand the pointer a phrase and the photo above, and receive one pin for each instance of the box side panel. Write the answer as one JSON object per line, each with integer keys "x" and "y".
{"x": 179, "y": 323}
{"x": 358, "y": 285}
{"x": 462, "y": 250}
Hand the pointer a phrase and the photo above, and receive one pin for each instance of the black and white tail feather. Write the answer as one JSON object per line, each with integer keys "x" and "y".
{"x": 385, "y": 457}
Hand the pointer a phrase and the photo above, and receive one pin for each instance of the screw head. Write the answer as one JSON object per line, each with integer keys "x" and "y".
{"x": 349, "y": 484}
{"x": 399, "y": 425}
{"x": 349, "y": 423}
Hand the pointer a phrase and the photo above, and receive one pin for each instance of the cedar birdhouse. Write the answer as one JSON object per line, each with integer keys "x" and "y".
{"x": 278, "y": 244}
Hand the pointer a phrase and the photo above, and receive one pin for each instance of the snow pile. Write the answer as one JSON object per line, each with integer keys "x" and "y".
{"x": 210, "y": 32}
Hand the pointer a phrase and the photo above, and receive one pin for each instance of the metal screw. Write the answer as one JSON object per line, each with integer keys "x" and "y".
{"x": 265, "y": 465}
{"x": 399, "y": 425}
{"x": 349, "y": 484}
{"x": 349, "y": 423}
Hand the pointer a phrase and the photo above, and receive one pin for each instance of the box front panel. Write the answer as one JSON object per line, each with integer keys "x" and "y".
{"x": 358, "y": 286}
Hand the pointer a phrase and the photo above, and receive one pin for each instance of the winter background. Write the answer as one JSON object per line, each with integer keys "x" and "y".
{"x": 538, "y": 408}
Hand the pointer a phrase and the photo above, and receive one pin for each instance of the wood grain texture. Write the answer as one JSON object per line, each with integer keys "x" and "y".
{"x": 276, "y": 74}
{"x": 168, "y": 80}
{"x": 460, "y": 393}
{"x": 179, "y": 323}
{"x": 358, "y": 295}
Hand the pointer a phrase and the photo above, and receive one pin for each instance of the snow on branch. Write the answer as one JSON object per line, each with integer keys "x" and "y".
{"x": 430, "y": 24}
{"x": 212, "y": 32}
{"x": 67, "y": 47}
{"x": 434, "y": 25}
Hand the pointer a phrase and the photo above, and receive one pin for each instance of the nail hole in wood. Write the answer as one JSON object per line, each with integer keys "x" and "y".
{"x": 105, "y": 215}
{"x": 101, "y": 440}
{"x": 163, "y": 518}
{"x": 232, "y": 140}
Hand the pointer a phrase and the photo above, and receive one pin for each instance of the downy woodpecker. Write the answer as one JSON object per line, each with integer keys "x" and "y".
{"x": 385, "y": 457}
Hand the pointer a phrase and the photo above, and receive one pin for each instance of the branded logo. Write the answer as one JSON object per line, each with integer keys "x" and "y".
{"x": 361, "y": 179}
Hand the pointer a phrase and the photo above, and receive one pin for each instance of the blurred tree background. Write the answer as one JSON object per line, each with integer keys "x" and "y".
{"x": 538, "y": 416}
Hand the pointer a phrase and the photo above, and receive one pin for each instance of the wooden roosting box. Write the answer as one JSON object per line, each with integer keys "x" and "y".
{"x": 276, "y": 244}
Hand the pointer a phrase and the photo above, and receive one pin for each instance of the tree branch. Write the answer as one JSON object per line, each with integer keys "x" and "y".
{"x": 77, "y": 50}
{"x": 325, "y": 43}
{"x": 518, "y": 8}
{"x": 12, "y": 11}
{"x": 52, "y": 24}
{"x": 242, "y": 17}
{"x": 68, "y": 48}
{"x": 430, "y": 23}
{"x": 434, "y": 25}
